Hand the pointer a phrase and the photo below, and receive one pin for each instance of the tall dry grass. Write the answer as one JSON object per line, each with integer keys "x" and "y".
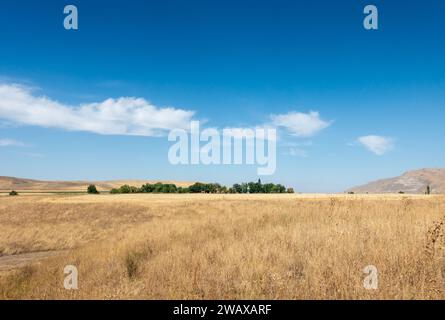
{"x": 225, "y": 247}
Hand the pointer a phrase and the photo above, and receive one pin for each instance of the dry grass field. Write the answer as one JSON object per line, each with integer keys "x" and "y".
{"x": 222, "y": 246}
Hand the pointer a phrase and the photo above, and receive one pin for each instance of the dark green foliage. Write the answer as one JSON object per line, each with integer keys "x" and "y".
{"x": 92, "y": 189}
{"x": 237, "y": 188}
{"x": 183, "y": 190}
{"x": 199, "y": 187}
{"x": 147, "y": 188}
{"x": 269, "y": 188}
{"x": 255, "y": 187}
{"x": 251, "y": 187}
{"x": 125, "y": 189}
{"x": 13, "y": 193}
{"x": 207, "y": 188}
{"x": 258, "y": 187}
{"x": 428, "y": 189}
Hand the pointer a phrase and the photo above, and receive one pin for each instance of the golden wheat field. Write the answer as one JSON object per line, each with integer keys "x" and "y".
{"x": 222, "y": 246}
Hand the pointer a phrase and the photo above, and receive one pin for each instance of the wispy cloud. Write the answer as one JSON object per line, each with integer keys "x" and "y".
{"x": 33, "y": 155}
{"x": 377, "y": 144}
{"x": 122, "y": 116}
{"x": 296, "y": 148}
{"x": 11, "y": 143}
{"x": 297, "y": 152}
{"x": 300, "y": 124}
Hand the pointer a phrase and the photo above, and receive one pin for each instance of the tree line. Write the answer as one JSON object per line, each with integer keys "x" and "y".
{"x": 198, "y": 187}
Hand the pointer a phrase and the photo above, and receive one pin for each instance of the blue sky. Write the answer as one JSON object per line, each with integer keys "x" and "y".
{"x": 232, "y": 64}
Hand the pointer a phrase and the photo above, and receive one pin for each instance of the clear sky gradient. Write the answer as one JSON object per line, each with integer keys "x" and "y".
{"x": 232, "y": 64}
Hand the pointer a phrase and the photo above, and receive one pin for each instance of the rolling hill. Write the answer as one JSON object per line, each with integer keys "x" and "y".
{"x": 20, "y": 184}
{"x": 415, "y": 181}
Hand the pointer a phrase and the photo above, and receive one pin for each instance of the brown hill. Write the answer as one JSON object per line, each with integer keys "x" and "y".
{"x": 410, "y": 182}
{"x": 20, "y": 184}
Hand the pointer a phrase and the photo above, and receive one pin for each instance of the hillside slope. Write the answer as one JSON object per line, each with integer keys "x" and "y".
{"x": 20, "y": 184}
{"x": 415, "y": 181}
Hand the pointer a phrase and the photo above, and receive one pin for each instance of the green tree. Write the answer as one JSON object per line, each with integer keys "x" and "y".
{"x": 147, "y": 188}
{"x": 183, "y": 190}
{"x": 125, "y": 189}
{"x": 92, "y": 189}
{"x": 237, "y": 188}
{"x": 198, "y": 187}
{"x": 13, "y": 193}
{"x": 170, "y": 188}
{"x": 280, "y": 188}
{"x": 268, "y": 188}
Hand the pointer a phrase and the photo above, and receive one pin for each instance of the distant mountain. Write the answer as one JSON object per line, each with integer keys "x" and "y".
{"x": 20, "y": 184}
{"x": 410, "y": 182}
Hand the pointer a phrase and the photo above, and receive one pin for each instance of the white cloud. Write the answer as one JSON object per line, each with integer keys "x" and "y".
{"x": 11, "y": 143}
{"x": 301, "y": 124}
{"x": 122, "y": 116}
{"x": 377, "y": 144}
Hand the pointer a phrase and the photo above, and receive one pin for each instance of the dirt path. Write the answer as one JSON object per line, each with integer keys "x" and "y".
{"x": 19, "y": 260}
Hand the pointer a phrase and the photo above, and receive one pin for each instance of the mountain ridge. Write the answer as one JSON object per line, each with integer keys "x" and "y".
{"x": 414, "y": 182}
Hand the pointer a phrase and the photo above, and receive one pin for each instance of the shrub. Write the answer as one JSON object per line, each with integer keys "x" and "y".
{"x": 13, "y": 193}
{"x": 147, "y": 188}
{"x": 92, "y": 189}
{"x": 132, "y": 265}
{"x": 183, "y": 190}
{"x": 134, "y": 259}
{"x": 125, "y": 189}
{"x": 171, "y": 188}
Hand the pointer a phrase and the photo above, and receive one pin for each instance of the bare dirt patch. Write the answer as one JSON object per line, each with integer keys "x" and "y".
{"x": 15, "y": 261}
